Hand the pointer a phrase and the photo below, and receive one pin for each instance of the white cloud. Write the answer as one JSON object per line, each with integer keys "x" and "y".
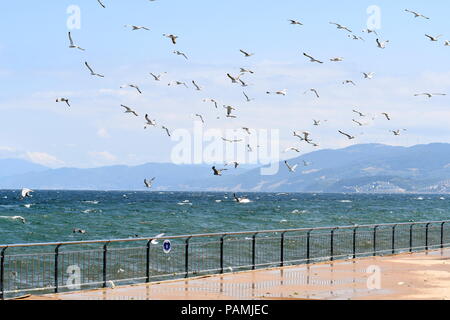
{"x": 103, "y": 133}
{"x": 103, "y": 156}
{"x": 44, "y": 159}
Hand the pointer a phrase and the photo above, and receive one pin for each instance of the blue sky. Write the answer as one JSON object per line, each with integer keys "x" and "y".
{"x": 37, "y": 67}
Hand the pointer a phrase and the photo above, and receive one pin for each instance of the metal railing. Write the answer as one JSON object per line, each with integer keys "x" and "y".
{"x": 65, "y": 266}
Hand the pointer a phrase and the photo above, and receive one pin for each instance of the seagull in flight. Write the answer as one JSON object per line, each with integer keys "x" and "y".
{"x": 292, "y": 149}
{"x": 234, "y": 79}
{"x": 149, "y": 122}
{"x": 167, "y": 130}
{"x": 200, "y": 116}
{"x": 312, "y": 90}
{"x": 339, "y": 26}
{"x": 232, "y": 141}
{"x": 337, "y": 59}
{"x": 177, "y": 83}
{"x": 347, "y": 135}
{"x": 137, "y": 27}
{"x": 171, "y": 37}
{"x": 447, "y": 43}
{"x": 179, "y": 53}
{"x": 22, "y": 219}
{"x": 129, "y": 110}
{"x": 154, "y": 241}
{"x": 243, "y": 70}
{"x": 148, "y": 183}
{"x": 433, "y": 38}
{"x": 229, "y": 110}
{"x": 416, "y": 14}
{"x": 243, "y": 84}
{"x": 311, "y": 59}
{"x": 26, "y": 193}
{"x": 348, "y": 82}
{"x": 280, "y": 92}
{"x": 246, "y": 54}
{"x": 72, "y": 45}
{"x": 290, "y": 168}
{"x": 131, "y": 86}
{"x": 370, "y": 31}
{"x": 295, "y": 22}
{"x": 101, "y": 3}
{"x": 246, "y": 130}
{"x": 368, "y": 75}
{"x": 386, "y": 115}
{"x": 197, "y": 87}
{"x": 92, "y": 71}
{"x": 381, "y": 44}
{"x": 430, "y": 95}
{"x": 357, "y": 122}
{"x": 355, "y": 37}
{"x": 246, "y": 97}
{"x": 217, "y": 172}
{"x": 316, "y": 122}
{"x": 360, "y": 113}
{"x": 63, "y": 100}
{"x": 211, "y": 100}
{"x": 157, "y": 77}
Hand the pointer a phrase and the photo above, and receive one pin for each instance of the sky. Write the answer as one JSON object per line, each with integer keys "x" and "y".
{"x": 37, "y": 67}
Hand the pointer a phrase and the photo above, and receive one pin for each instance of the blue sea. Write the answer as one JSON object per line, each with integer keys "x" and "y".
{"x": 52, "y": 215}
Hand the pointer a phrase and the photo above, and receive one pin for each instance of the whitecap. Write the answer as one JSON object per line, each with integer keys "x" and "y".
{"x": 91, "y": 201}
{"x": 345, "y": 201}
{"x": 284, "y": 220}
{"x": 184, "y": 203}
{"x": 27, "y": 205}
{"x": 245, "y": 201}
{"x": 218, "y": 201}
{"x": 419, "y": 198}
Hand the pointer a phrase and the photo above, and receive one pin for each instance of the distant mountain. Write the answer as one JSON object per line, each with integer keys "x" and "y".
{"x": 368, "y": 168}
{"x": 11, "y": 167}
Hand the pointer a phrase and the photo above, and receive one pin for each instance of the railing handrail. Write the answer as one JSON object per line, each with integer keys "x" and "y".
{"x": 220, "y": 234}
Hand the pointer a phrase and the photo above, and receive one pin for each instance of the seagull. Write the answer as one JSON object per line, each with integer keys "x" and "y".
{"x": 433, "y": 38}
{"x": 26, "y": 193}
{"x": 63, "y": 100}
{"x": 355, "y": 37}
{"x": 316, "y": 122}
{"x": 381, "y": 44}
{"x": 396, "y": 132}
{"x": 243, "y": 84}
{"x": 92, "y": 71}
{"x": 234, "y": 79}
{"x": 305, "y": 163}
{"x": 101, "y": 3}
{"x": 386, "y": 115}
{"x": 339, "y": 26}
{"x": 217, "y": 172}
{"x": 291, "y": 149}
{"x": 312, "y": 90}
{"x": 77, "y": 230}
{"x": 72, "y": 45}
{"x": 171, "y": 37}
{"x": 148, "y": 183}
{"x": 360, "y": 113}
{"x": 137, "y": 27}
{"x": 243, "y": 70}
{"x": 232, "y": 141}
{"x": 131, "y": 86}
{"x": 357, "y": 122}
{"x": 447, "y": 43}
{"x": 249, "y": 148}
{"x": 368, "y": 75}
{"x": 291, "y": 169}
{"x": 198, "y": 88}
{"x": 246, "y": 130}
{"x": 200, "y": 116}
{"x": 246, "y": 54}
{"x": 348, "y": 81}
{"x": 129, "y": 110}
{"x": 337, "y": 59}
{"x": 22, "y": 219}
{"x": 154, "y": 241}
{"x": 246, "y": 97}
{"x": 416, "y": 14}
{"x": 312, "y": 59}
{"x": 167, "y": 130}
{"x": 430, "y": 95}
{"x": 178, "y": 83}
{"x": 179, "y": 53}
{"x": 157, "y": 77}
{"x": 229, "y": 109}
{"x": 211, "y": 100}
{"x": 295, "y": 22}
{"x": 280, "y": 92}
{"x": 236, "y": 164}
{"x": 347, "y": 135}
{"x": 149, "y": 122}
{"x": 370, "y": 31}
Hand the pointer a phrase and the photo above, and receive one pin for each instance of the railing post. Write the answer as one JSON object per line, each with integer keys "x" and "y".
{"x": 411, "y": 237}
{"x": 354, "y": 242}
{"x": 332, "y": 245}
{"x": 147, "y": 264}
{"x": 308, "y": 236}
{"x": 221, "y": 253}
{"x": 393, "y": 238}
{"x": 254, "y": 251}
{"x": 186, "y": 258}
{"x": 375, "y": 241}
{"x": 2, "y": 273}
{"x": 105, "y": 263}
{"x": 426, "y": 236}
{"x": 56, "y": 268}
{"x": 282, "y": 249}
{"x": 442, "y": 235}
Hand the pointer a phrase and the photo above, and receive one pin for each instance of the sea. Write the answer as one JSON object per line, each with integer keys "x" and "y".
{"x": 53, "y": 215}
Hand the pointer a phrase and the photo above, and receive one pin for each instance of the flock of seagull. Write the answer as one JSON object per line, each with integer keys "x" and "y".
{"x": 230, "y": 110}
